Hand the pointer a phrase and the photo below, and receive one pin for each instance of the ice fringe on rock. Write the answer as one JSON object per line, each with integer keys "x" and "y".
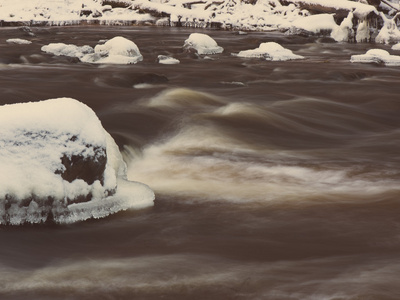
{"x": 203, "y": 44}
{"x": 378, "y": 56}
{"x": 269, "y": 51}
{"x": 59, "y": 164}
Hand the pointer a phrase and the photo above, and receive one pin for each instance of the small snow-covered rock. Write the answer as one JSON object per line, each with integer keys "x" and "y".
{"x": 270, "y": 51}
{"x": 167, "y": 60}
{"x": 378, "y": 56}
{"x": 18, "y": 41}
{"x": 203, "y": 44}
{"x": 118, "y": 50}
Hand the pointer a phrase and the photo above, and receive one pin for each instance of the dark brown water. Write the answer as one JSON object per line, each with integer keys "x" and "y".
{"x": 273, "y": 180}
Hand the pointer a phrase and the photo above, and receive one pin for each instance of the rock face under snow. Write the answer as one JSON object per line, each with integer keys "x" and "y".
{"x": 55, "y": 156}
{"x": 378, "y": 56}
{"x": 203, "y": 44}
{"x": 270, "y": 51}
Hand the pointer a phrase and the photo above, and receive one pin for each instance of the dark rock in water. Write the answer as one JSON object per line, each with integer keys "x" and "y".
{"x": 89, "y": 169}
{"x": 150, "y": 78}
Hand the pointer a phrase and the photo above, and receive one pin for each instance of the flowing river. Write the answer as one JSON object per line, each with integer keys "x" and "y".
{"x": 273, "y": 180}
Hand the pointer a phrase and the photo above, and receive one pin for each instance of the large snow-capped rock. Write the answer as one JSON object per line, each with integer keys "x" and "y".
{"x": 57, "y": 163}
{"x": 269, "y": 51}
{"x": 202, "y": 43}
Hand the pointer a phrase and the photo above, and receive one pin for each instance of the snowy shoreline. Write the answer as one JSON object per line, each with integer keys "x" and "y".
{"x": 343, "y": 20}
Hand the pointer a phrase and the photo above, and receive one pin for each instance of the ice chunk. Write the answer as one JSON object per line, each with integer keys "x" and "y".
{"x": 55, "y": 154}
{"x": 118, "y": 50}
{"x": 67, "y": 50}
{"x": 18, "y": 41}
{"x": 203, "y": 44}
{"x": 270, "y": 51}
{"x": 167, "y": 60}
{"x": 377, "y": 56}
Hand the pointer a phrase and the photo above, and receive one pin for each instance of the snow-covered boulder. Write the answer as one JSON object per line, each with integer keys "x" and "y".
{"x": 118, "y": 50}
{"x": 378, "y": 56}
{"x": 269, "y": 51}
{"x": 59, "y": 164}
{"x": 18, "y": 41}
{"x": 202, "y": 43}
{"x": 61, "y": 49}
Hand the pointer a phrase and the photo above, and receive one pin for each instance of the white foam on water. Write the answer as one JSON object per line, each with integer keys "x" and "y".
{"x": 200, "y": 162}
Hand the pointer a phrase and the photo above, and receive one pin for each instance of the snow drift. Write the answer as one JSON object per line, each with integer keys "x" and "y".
{"x": 59, "y": 164}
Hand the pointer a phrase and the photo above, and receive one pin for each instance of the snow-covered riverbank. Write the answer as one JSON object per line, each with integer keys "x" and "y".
{"x": 344, "y": 20}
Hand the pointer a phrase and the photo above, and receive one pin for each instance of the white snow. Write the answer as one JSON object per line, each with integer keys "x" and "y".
{"x": 377, "y": 56}
{"x": 269, "y": 51}
{"x": 18, "y": 41}
{"x": 34, "y": 136}
{"x": 117, "y": 50}
{"x": 361, "y": 10}
{"x": 203, "y": 44}
{"x": 314, "y": 24}
{"x": 167, "y": 60}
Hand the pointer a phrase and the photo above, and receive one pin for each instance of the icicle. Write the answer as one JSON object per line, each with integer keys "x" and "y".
{"x": 389, "y": 32}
